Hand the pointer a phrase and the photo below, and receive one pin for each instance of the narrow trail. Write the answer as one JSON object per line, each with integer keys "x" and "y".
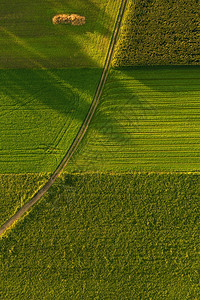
{"x": 82, "y": 130}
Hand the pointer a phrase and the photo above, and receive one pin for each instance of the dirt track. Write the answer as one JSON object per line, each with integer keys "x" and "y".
{"x": 82, "y": 130}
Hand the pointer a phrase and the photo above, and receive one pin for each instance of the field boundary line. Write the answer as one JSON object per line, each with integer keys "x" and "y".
{"x": 82, "y": 130}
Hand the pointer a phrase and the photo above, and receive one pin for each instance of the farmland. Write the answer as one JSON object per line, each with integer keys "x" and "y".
{"x": 49, "y": 74}
{"x": 148, "y": 120}
{"x": 29, "y": 39}
{"x": 122, "y": 221}
{"x": 133, "y": 236}
{"x": 159, "y": 33}
{"x": 42, "y": 111}
{"x": 16, "y": 190}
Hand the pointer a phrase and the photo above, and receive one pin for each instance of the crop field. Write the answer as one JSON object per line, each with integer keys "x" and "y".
{"x": 101, "y": 236}
{"x": 159, "y": 33}
{"x": 16, "y": 190}
{"x": 122, "y": 221}
{"x": 148, "y": 119}
{"x": 29, "y": 39}
{"x": 48, "y": 77}
{"x": 41, "y": 113}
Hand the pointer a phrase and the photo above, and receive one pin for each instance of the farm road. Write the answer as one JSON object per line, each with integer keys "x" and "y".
{"x": 82, "y": 130}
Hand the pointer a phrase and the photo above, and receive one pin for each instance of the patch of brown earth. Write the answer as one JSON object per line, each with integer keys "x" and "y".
{"x": 69, "y": 19}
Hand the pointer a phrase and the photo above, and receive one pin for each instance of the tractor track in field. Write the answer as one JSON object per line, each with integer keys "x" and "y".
{"x": 82, "y": 130}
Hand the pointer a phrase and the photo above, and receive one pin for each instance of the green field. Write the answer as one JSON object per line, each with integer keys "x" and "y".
{"x": 122, "y": 221}
{"x": 164, "y": 32}
{"x": 49, "y": 75}
{"x": 42, "y": 111}
{"x": 16, "y": 190}
{"x": 98, "y": 236}
{"x": 29, "y": 39}
{"x": 148, "y": 119}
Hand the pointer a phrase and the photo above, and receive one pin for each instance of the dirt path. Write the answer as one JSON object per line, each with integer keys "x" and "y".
{"x": 82, "y": 130}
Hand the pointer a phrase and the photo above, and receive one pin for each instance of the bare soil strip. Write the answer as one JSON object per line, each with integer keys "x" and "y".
{"x": 82, "y": 130}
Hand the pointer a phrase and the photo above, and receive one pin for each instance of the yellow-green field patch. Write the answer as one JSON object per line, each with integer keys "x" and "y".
{"x": 148, "y": 119}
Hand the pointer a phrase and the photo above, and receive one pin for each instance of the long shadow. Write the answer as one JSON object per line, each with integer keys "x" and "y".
{"x": 163, "y": 79}
{"x": 67, "y": 92}
{"x": 20, "y": 28}
{"x": 170, "y": 78}
{"x": 111, "y": 125}
{"x": 33, "y": 36}
{"x": 108, "y": 120}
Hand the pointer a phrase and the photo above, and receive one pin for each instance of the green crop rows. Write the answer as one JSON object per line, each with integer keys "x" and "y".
{"x": 42, "y": 111}
{"x": 159, "y": 33}
{"x": 148, "y": 119}
{"x": 131, "y": 236}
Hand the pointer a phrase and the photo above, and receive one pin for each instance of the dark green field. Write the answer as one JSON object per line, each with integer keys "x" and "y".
{"x": 148, "y": 120}
{"x": 164, "y": 32}
{"x": 98, "y": 236}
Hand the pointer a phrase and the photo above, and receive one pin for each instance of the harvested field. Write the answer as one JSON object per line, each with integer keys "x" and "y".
{"x": 148, "y": 119}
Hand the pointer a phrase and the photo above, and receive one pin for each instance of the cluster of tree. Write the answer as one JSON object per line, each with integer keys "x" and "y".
{"x": 159, "y": 32}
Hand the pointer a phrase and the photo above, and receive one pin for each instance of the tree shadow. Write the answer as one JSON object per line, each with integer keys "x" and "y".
{"x": 35, "y": 42}
{"x": 65, "y": 89}
{"x": 172, "y": 78}
{"x": 161, "y": 80}
{"x": 116, "y": 124}
{"x": 32, "y": 92}
{"x": 137, "y": 106}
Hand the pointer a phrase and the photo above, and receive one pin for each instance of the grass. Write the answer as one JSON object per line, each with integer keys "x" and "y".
{"x": 29, "y": 39}
{"x": 42, "y": 111}
{"x": 103, "y": 236}
{"x": 94, "y": 236}
{"x": 147, "y": 120}
{"x": 16, "y": 190}
{"x": 43, "y": 104}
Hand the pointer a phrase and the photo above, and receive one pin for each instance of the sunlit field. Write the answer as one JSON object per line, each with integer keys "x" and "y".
{"x": 122, "y": 219}
{"x": 29, "y": 39}
{"x": 148, "y": 120}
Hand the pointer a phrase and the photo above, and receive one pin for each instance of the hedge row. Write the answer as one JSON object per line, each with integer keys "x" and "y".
{"x": 159, "y": 32}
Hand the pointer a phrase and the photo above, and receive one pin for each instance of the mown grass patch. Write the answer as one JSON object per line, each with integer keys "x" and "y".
{"x": 41, "y": 113}
{"x": 29, "y": 39}
{"x": 132, "y": 236}
{"x": 159, "y": 33}
{"x": 148, "y": 119}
